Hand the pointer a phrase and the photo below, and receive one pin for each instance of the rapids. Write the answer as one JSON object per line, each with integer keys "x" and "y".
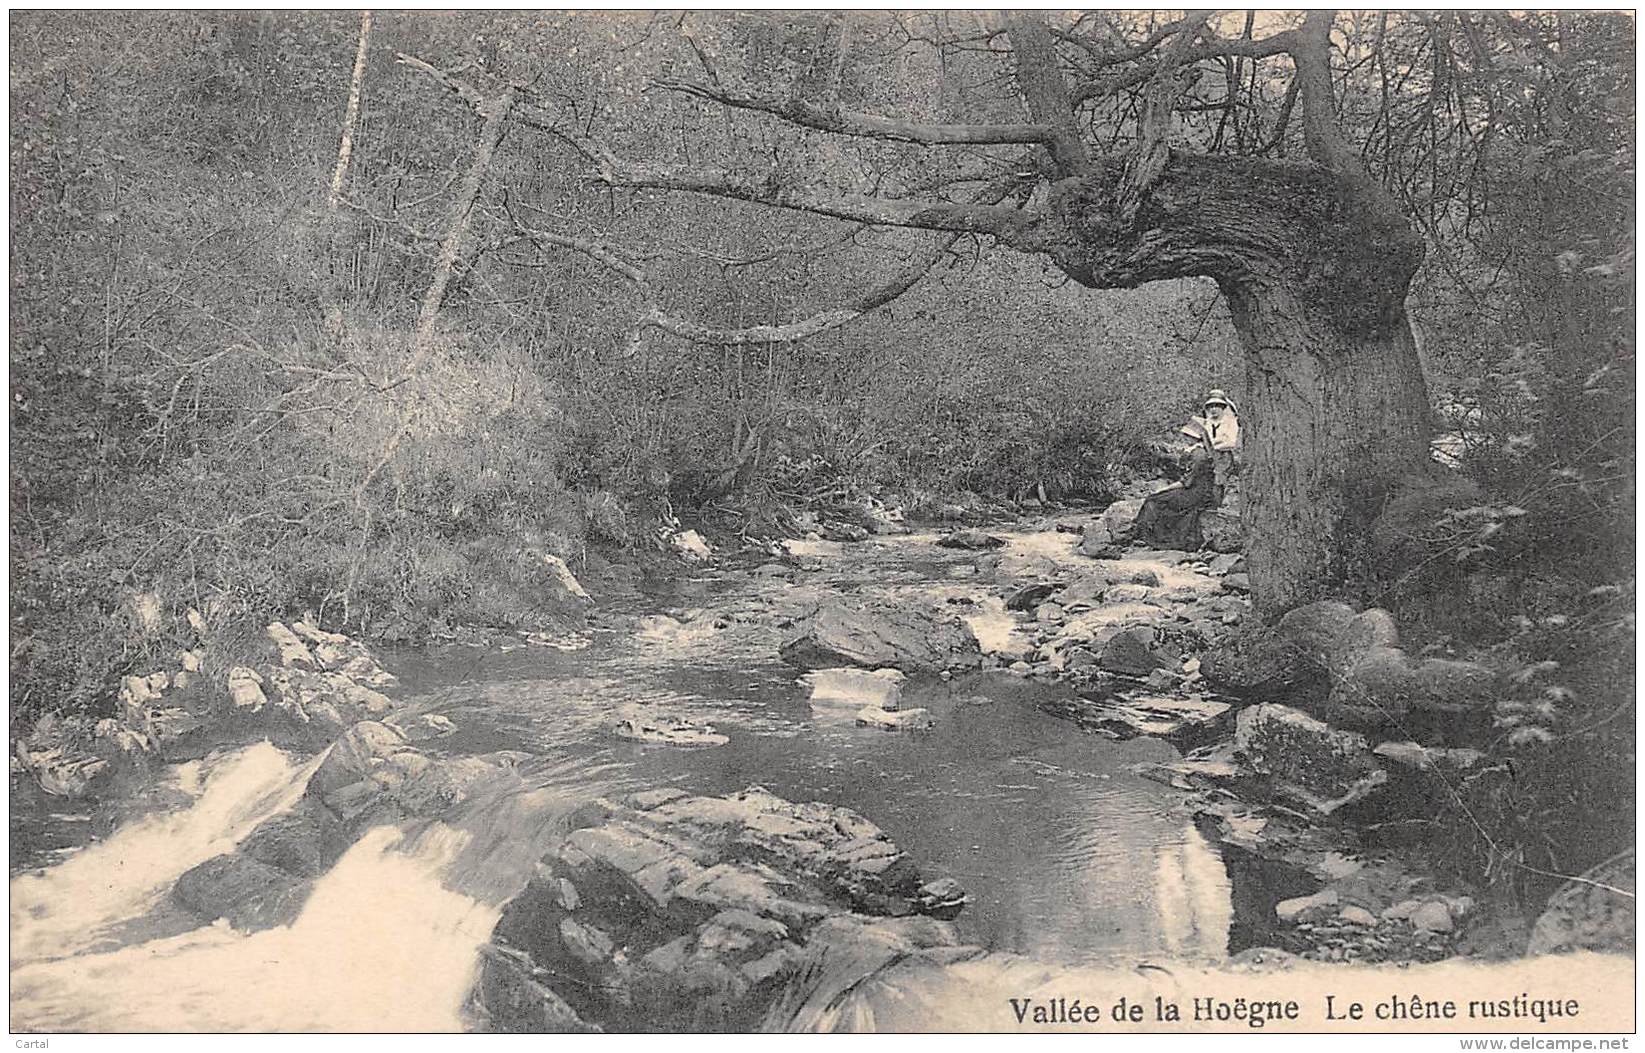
{"x": 1069, "y": 857}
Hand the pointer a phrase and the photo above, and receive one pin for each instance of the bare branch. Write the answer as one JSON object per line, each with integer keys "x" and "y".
{"x": 1147, "y": 162}
{"x": 594, "y": 250}
{"x": 864, "y": 125}
{"x": 1280, "y": 122}
{"x": 654, "y": 317}
{"x": 1044, "y": 91}
{"x": 1279, "y": 44}
{"x": 1002, "y": 221}
{"x": 466, "y": 91}
{"x": 1105, "y": 57}
{"x": 1311, "y": 52}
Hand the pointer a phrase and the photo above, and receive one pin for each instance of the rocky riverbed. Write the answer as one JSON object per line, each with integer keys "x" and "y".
{"x": 826, "y": 760}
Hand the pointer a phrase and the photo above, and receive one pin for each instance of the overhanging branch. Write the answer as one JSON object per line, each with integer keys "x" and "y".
{"x": 654, "y": 316}
{"x": 1312, "y": 51}
{"x": 1003, "y": 222}
{"x": 864, "y": 125}
{"x": 999, "y": 220}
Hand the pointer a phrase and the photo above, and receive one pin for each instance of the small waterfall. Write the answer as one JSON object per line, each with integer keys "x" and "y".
{"x": 381, "y": 945}
{"x": 388, "y": 939}
{"x": 74, "y": 905}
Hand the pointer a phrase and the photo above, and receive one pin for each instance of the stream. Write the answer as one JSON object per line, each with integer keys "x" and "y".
{"x": 1069, "y": 857}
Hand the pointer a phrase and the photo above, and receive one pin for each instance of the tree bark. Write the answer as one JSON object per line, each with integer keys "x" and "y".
{"x": 1332, "y": 421}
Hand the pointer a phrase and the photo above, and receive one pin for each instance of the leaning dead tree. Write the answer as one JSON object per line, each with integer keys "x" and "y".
{"x": 1313, "y": 257}
{"x": 351, "y": 116}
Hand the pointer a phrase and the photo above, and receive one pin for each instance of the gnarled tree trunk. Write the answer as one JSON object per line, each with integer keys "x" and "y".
{"x": 1315, "y": 266}
{"x": 1332, "y": 420}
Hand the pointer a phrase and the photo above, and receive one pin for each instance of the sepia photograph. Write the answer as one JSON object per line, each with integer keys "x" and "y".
{"x": 822, "y": 521}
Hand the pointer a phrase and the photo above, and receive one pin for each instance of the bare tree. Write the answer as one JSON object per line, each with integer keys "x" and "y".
{"x": 345, "y": 145}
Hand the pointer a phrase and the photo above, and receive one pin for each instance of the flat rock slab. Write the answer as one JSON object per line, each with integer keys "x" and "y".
{"x": 664, "y": 730}
{"x": 973, "y": 540}
{"x": 901, "y": 720}
{"x": 1218, "y": 770}
{"x": 879, "y": 636}
{"x": 1136, "y": 713}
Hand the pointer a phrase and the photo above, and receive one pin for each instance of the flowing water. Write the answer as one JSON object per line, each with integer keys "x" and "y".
{"x": 1069, "y": 857}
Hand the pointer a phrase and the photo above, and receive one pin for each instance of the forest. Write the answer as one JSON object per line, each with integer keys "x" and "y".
{"x": 403, "y": 327}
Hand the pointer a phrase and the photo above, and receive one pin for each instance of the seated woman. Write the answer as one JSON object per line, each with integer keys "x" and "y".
{"x": 1170, "y": 518}
{"x": 1222, "y": 421}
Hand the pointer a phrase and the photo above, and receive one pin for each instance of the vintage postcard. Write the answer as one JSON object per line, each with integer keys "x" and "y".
{"x": 1104, "y": 521}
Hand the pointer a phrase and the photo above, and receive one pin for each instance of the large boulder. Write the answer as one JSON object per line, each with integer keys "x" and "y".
{"x": 363, "y": 749}
{"x": 1302, "y": 658}
{"x": 1259, "y": 663}
{"x": 1309, "y": 761}
{"x": 879, "y": 636}
{"x": 1315, "y": 627}
{"x": 251, "y": 894}
{"x": 1131, "y": 652}
{"x": 688, "y": 913}
{"x": 369, "y": 760}
{"x": 1222, "y": 531}
{"x": 305, "y": 841}
{"x": 1110, "y": 527}
{"x": 1387, "y": 689}
{"x": 373, "y": 772}
{"x": 1364, "y": 632}
{"x": 516, "y": 999}
{"x": 1030, "y": 596}
{"x": 445, "y": 783}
